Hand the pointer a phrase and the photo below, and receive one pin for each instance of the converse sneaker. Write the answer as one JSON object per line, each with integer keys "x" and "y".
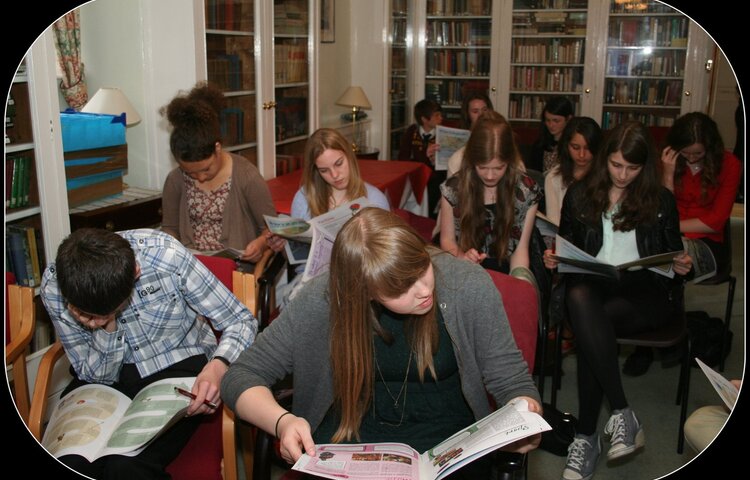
{"x": 625, "y": 432}
{"x": 583, "y": 454}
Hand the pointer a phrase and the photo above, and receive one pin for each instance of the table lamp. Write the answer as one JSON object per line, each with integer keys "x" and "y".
{"x": 112, "y": 101}
{"x": 355, "y": 98}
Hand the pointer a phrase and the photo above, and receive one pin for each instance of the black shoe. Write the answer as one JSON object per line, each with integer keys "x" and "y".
{"x": 638, "y": 362}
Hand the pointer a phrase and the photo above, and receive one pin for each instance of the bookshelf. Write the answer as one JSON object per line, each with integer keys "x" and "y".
{"x": 548, "y": 55}
{"x": 259, "y": 54}
{"x": 400, "y": 98}
{"x": 36, "y": 221}
{"x": 645, "y": 69}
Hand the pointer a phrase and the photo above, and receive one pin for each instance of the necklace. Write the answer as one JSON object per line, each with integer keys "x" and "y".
{"x": 400, "y": 392}
{"x": 695, "y": 167}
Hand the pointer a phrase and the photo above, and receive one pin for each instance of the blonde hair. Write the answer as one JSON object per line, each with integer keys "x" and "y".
{"x": 491, "y": 138}
{"x": 376, "y": 255}
{"x": 317, "y": 191}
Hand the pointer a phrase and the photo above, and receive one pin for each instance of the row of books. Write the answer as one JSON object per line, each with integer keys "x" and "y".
{"x": 459, "y": 7}
{"x": 669, "y": 63}
{"x": 18, "y": 180}
{"x": 643, "y": 92}
{"x": 553, "y": 50}
{"x": 236, "y": 127}
{"x": 458, "y": 62}
{"x": 291, "y": 114}
{"x": 550, "y": 4}
{"x": 24, "y": 254}
{"x": 612, "y": 118}
{"x": 290, "y": 17}
{"x": 290, "y": 61}
{"x": 546, "y": 79}
{"x": 398, "y": 30}
{"x": 458, "y": 33}
{"x": 236, "y": 15}
{"x": 642, "y": 7}
{"x": 530, "y": 107}
{"x": 649, "y": 32}
{"x": 451, "y": 92}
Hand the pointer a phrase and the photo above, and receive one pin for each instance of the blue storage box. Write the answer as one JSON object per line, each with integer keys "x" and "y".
{"x": 84, "y": 131}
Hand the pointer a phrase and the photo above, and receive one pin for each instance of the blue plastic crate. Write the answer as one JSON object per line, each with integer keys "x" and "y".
{"x": 83, "y": 131}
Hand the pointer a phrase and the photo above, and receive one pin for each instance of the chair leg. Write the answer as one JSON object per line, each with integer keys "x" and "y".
{"x": 727, "y": 319}
{"x": 541, "y": 359}
{"x": 557, "y": 367}
{"x": 262, "y": 456}
{"x": 683, "y": 391}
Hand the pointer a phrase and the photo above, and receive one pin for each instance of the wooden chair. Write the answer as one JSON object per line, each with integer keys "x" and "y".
{"x": 20, "y": 321}
{"x": 211, "y": 452}
{"x": 521, "y": 307}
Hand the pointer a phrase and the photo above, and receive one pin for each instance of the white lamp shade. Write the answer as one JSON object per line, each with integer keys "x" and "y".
{"x": 354, "y": 97}
{"x": 112, "y": 101}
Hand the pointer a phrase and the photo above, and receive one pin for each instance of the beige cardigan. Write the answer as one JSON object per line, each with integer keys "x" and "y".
{"x": 248, "y": 200}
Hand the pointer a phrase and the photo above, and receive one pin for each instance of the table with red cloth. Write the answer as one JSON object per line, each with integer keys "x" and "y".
{"x": 390, "y": 176}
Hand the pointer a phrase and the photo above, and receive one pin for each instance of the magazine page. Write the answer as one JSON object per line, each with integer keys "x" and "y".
{"x": 289, "y": 228}
{"x": 726, "y": 389}
{"x": 450, "y": 140}
{"x": 574, "y": 260}
{"x": 97, "y": 420}
{"x": 375, "y": 461}
{"x": 83, "y": 420}
{"x": 153, "y": 410}
{"x": 333, "y": 220}
{"x": 504, "y": 426}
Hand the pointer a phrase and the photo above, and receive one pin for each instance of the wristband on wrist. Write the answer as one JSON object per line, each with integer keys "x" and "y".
{"x": 222, "y": 360}
{"x": 276, "y": 428}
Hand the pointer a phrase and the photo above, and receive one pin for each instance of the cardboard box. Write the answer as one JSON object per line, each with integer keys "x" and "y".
{"x": 83, "y": 131}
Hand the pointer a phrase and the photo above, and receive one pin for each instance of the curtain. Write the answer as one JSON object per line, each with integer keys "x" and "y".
{"x": 68, "y": 42}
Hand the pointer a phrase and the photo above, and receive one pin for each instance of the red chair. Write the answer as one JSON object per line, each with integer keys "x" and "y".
{"x": 423, "y": 225}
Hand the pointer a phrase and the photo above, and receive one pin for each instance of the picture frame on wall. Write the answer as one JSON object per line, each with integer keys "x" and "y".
{"x": 327, "y": 21}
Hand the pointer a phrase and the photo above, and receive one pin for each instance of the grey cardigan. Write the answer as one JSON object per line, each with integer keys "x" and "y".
{"x": 248, "y": 200}
{"x": 298, "y": 342}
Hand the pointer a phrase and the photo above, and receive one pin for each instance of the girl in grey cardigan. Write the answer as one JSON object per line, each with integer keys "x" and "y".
{"x": 400, "y": 342}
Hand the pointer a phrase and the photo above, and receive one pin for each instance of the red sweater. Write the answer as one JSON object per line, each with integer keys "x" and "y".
{"x": 716, "y": 208}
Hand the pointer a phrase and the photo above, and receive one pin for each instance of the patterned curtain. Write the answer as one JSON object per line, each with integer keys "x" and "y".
{"x": 68, "y": 41}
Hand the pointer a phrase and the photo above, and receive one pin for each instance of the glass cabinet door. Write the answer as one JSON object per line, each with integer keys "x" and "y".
{"x": 647, "y": 44}
{"x": 291, "y": 28}
{"x": 548, "y": 45}
{"x": 230, "y": 61}
{"x": 458, "y": 52}
{"x": 400, "y": 76}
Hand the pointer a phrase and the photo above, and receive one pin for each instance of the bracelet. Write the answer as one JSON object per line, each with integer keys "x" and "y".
{"x": 276, "y": 428}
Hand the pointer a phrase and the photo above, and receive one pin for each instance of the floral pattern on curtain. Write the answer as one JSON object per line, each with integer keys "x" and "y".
{"x": 68, "y": 42}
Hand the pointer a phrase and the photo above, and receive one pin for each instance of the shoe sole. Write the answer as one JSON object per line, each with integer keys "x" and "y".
{"x": 587, "y": 477}
{"x": 620, "y": 451}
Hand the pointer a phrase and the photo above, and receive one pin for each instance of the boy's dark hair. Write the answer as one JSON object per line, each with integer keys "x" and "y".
{"x": 424, "y": 109}
{"x": 95, "y": 270}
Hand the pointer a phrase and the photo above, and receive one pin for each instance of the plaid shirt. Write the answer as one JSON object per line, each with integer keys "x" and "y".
{"x": 164, "y": 321}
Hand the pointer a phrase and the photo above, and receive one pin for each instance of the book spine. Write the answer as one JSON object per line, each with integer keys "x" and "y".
{"x": 17, "y": 253}
{"x": 34, "y": 255}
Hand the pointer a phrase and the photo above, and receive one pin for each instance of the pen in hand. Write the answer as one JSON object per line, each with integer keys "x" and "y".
{"x": 182, "y": 391}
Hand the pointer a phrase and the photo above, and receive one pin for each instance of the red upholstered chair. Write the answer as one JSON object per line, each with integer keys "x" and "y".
{"x": 423, "y": 225}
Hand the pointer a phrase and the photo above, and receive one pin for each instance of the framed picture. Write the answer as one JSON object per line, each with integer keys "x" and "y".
{"x": 327, "y": 21}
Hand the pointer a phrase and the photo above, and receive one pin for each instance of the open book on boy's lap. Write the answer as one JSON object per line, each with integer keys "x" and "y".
{"x": 574, "y": 260}
{"x": 388, "y": 461}
{"x": 97, "y": 420}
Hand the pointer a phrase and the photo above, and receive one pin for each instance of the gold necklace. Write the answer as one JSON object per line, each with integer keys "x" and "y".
{"x": 403, "y": 390}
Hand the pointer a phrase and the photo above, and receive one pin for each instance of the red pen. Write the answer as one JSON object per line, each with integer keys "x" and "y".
{"x": 182, "y": 391}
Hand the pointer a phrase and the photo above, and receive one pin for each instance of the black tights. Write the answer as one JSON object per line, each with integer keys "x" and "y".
{"x": 599, "y": 311}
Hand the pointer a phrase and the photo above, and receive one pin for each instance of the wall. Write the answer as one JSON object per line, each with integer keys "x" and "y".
{"x": 126, "y": 45}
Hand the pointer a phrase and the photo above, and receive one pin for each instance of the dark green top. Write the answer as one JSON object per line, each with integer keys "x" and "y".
{"x": 418, "y": 414}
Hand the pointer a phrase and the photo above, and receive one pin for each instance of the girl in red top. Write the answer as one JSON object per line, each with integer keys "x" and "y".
{"x": 703, "y": 177}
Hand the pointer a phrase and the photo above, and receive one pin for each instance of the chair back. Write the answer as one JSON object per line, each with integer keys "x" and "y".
{"x": 522, "y": 310}
{"x": 423, "y": 225}
{"x": 20, "y": 321}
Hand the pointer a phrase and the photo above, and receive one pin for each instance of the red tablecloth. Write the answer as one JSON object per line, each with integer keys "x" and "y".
{"x": 387, "y": 175}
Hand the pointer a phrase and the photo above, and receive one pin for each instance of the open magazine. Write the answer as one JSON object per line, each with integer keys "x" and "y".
{"x": 391, "y": 461}
{"x": 726, "y": 389}
{"x": 310, "y": 241}
{"x": 450, "y": 140}
{"x": 574, "y": 260}
{"x": 97, "y": 420}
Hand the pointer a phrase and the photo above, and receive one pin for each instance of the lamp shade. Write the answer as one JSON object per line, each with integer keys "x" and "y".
{"x": 354, "y": 97}
{"x": 112, "y": 101}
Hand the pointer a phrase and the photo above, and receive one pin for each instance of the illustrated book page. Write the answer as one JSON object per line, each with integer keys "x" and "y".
{"x": 450, "y": 140}
{"x": 97, "y": 420}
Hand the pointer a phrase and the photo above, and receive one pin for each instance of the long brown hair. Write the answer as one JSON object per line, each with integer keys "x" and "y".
{"x": 640, "y": 202}
{"x": 317, "y": 191}
{"x": 697, "y": 127}
{"x": 376, "y": 255}
{"x": 491, "y": 137}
